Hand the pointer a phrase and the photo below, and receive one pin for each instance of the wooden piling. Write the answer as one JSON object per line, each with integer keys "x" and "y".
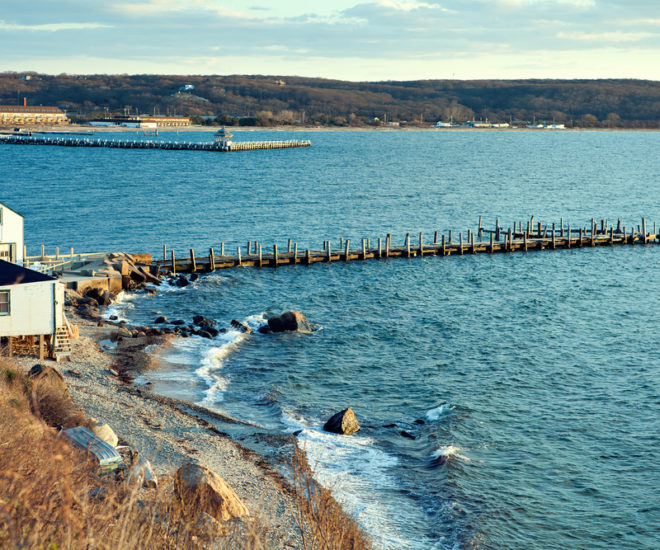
{"x": 309, "y": 257}
{"x": 480, "y": 228}
{"x": 460, "y": 240}
{"x": 408, "y": 244}
{"x": 211, "y": 260}
{"x": 248, "y": 248}
{"x": 388, "y": 242}
{"x": 288, "y": 247}
{"x": 492, "y": 243}
{"x": 57, "y": 252}
{"x": 346, "y": 251}
{"x": 450, "y": 236}
{"x": 275, "y": 258}
{"x": 644, "y": 231}
{"x": 173, "y": 264}
{"x": 525, "y": 242}
{"x": 569, "y": 236}
{"x": 472, "y": 242}
{"x": 222, "y": 249}
{"x": 444, "y": 245}
{"x": 261, "y": 257}
{"x": 435, "y": 238}
{"x": 421, "y": 244}
{"x": 364, "y": 249}
{"x": 192, "y": 260}
{"x": 43, "y": 253}
{"x": 329, "y": 253}
{"x": 238, "y": 253}
{"x": 554, "y": 242}
{"x": 295, "y": 253}
{"x": 380, "y": 248}
{"x": 164, "y": 253}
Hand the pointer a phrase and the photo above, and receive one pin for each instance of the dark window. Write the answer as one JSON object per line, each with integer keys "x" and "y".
{"x": 4, "y": 302}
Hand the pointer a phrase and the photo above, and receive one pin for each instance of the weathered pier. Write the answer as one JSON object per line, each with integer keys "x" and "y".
{"x": 221, "y": 145}
{"x": 518, "y": 238}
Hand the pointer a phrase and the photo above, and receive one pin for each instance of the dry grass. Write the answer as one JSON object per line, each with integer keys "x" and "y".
{"x": 51, "y": 497}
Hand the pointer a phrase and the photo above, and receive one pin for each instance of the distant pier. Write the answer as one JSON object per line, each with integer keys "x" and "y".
{"x": 218, "y": 145}
{"x": 519, "y": 238}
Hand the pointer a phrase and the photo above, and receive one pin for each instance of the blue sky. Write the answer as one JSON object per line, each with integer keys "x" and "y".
{"x": 345, "y": 39}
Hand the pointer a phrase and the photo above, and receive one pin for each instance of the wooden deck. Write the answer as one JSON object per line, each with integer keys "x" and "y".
{"x": 534, "y": 237}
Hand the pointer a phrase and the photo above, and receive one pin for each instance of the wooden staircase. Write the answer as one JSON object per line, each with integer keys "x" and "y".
{"x": 62, "y": 347}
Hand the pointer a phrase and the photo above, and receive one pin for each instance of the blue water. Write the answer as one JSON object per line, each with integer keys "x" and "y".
{"x": 529, "y": 382}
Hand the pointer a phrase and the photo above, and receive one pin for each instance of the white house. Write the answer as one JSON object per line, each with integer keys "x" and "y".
{"x": 11, "y": 235}
{"x": 32, "y": 305}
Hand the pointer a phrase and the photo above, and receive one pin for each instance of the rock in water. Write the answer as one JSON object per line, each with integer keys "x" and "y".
{"x": 202, "y": 490}
{"x": 288, "y": 321}
{"x": 344, "y": 422}
{"x": 241, "y": 327}
{"x": 203, "y": 322}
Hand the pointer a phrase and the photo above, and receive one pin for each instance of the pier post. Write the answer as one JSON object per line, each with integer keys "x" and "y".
{"x": 450, "y": 235}
{"x": 472, "y": 242}
{"x": 611, "y": 235}
{"x": 248, "y": 248}
{"x": 444, "y": 245}
{"x": 525, "y": 242}
{"x": 510, "y": 239}
{"x": 27, "y": 263}
{"x": 341, "y": 243}
{"x": 644, "y": 231}
{"x": 43, "y": 253}
{"x": 211, "y": 260}
{"x": 460, "y": 240}
{"x": 492, "y": 243}
{"x": 481, "y": 230}
{"x": 497, "y": 229}
{"x": 554, "y": 243}
{"x": 288, "y": 247}
{"x": 380, "y": 248}
{"x": 192, "y": 260}
{"x": 388, "y": 242}
{"x": 329, "y": 252}
{"x": 309, "y": 257}
{"x": 261, "y": 258}
{"x": 164, "y": 253}
{"x": 364, "y": 249}
{"x": 238, "y": 253}
{"x": 275, "y": 254}
{"x": 295, "y": 253}
{"x": 173, "y": 264}
{"x": 421, "y": 244}
{"x": 222, "y": 249}
{"x": 569, "y": 235}
{"x": 580, "y": 241}
{"x": 435, "y": 238}
{"x": 346, "y": 251}
{"x": 561, "y": 230}
{"x": 57, "y": 252}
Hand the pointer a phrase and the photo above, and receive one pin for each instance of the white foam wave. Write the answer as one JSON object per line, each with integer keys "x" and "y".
{"x": 448, "y": 452}
{"x": 121, "y": 305}
{"x": 437, "y": 413}
{"x": 358, "y": 473}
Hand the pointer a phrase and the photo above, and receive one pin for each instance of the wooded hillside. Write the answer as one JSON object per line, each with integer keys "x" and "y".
{"x": 265, "y": 100}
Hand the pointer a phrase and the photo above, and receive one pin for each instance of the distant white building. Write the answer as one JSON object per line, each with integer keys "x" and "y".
{"x": 11, "y": 235}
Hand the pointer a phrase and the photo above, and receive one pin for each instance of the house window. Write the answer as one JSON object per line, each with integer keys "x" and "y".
{"x": 4, "y": 302}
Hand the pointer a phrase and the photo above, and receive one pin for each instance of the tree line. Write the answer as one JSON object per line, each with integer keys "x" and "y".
{"x": 269, "y": 100}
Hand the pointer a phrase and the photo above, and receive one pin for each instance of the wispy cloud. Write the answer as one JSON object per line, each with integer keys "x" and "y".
{"x": 609, "y": 37}
{"x": 163, "y": 7}
{"x": 52, "y": 27}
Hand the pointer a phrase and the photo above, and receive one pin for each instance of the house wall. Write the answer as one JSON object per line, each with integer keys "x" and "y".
{"x": 31, "y": 309}
{"x": 11, "y": 231}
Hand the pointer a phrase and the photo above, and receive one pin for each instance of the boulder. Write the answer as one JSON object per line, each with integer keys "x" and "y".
{"x": 105, "y": 432}
{"x": 240, "y": 327}
{"x": 178, "y": 322}
{"x": 344, "y": 422}
{"x": 194, "y": 277}
{"x": 181, "y": 281}
{"x": 142, "y": 473}
{"x": 49, "y": 380}
{"x": 287, "y": 322}
{"x": 160, "y": 320}
{"x": 202, "y": 490}
{"x": 203, "y": 322}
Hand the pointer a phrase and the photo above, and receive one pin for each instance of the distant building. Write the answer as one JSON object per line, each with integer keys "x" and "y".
{"x": 17, "y": 115}
{"x": 11, "y": 235}
{"x": 150, "y": 121}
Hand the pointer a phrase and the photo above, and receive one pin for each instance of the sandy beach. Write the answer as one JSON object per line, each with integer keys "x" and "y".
{"x": 170, "y": 433}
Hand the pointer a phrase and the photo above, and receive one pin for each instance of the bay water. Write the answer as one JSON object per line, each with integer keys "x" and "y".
{"x": 506, "y": 401}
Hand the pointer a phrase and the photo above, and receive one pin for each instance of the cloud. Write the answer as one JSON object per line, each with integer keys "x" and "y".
{"x": 609, "y": 37}
{"x": 406, "y": 6}
{"x": 52, "y": 27}
{"x": 153, "y": 8}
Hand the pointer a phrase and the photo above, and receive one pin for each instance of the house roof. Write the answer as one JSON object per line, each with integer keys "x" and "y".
{"x": 29, "y": 109}
{"x": 14, "y": 211}
{"x": 12, "y": 274}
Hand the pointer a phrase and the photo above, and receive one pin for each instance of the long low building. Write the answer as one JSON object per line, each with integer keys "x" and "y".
{"x": 21, "y": 115}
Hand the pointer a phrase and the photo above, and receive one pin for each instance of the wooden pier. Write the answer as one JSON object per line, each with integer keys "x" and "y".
{"x": 519, "y": 238}
{"x": 154, "y": 144}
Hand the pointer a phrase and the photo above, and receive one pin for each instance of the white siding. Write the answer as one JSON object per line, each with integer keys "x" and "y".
{"x": 31, "y": 309}
{"x": 11, "y": 231}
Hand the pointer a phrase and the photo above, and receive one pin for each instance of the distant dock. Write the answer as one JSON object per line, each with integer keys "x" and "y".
{"x": 218, "y": 145}
{"x": 519, "y": 238}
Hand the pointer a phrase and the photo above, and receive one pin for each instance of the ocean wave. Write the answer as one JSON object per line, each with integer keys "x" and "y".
{"x": 438, "y": 412}
{"x": 121, "y": 305}
{"x": 445, "y": 454}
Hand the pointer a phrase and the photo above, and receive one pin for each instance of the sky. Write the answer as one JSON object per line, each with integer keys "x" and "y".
{"x": 358, "y": 40}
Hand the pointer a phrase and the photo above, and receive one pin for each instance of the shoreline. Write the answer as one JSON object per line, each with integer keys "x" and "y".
{"x": 170, "y": 432}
